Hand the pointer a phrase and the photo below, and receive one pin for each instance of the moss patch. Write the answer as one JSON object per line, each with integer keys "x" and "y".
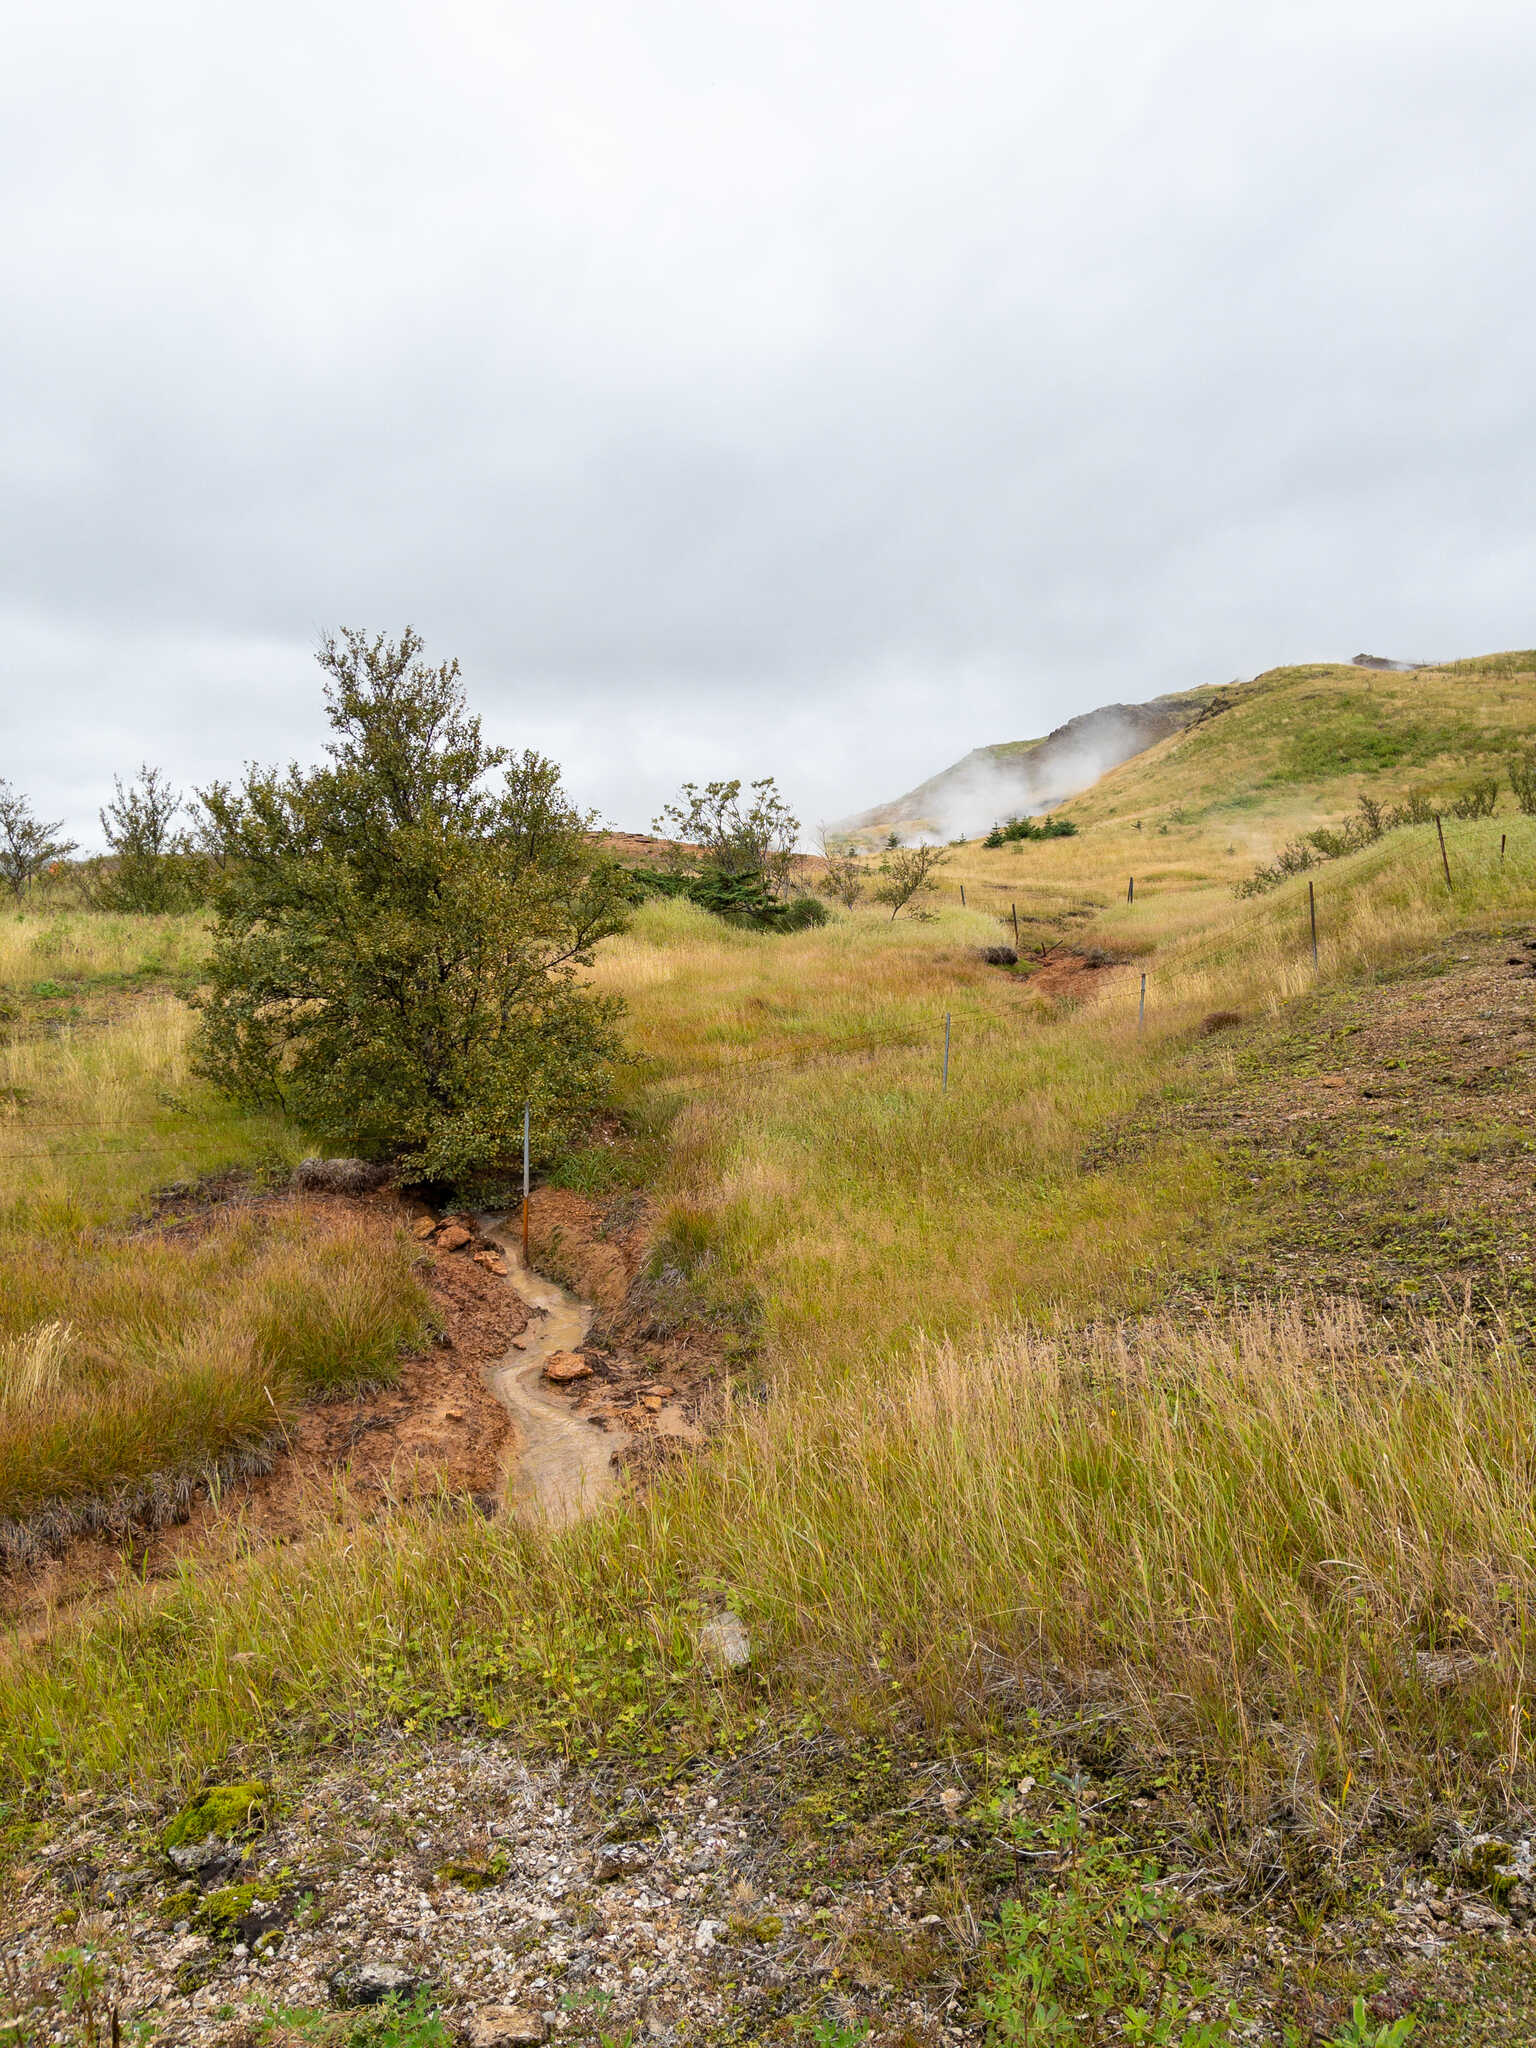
{"x": 219, "y": 1813}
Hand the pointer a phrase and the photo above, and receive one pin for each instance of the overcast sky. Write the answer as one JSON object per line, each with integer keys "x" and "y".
{"x": 793, "y": 387}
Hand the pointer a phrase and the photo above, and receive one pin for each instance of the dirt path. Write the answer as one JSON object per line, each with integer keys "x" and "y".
{"x": 560, "y": 1467}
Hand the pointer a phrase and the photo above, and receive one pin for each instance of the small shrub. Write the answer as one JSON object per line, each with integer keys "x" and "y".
{"x": 1522, "y": 780}
{"x": 1478, "y": 801}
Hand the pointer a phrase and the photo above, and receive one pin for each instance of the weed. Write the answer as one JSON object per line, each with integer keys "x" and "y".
{"x": 1359, "y": 2031}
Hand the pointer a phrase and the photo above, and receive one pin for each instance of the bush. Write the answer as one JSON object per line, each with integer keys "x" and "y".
{"x": 1364, "y": 827}
{"x": 152, "y": 867}
{"x": 738, "y": 899}
{"x": 1522, "y": 780}
{"x": 1479, "y": 801}
{"x": 1026, "y": 828}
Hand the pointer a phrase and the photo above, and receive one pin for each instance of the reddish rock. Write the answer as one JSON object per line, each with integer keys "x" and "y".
{"x": 564, "y": 1366}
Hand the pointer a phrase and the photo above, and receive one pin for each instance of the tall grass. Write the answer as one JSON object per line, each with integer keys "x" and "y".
{"x": 1249, "y": 1540}
{"x": 128, "y": 1363}
{"x": 80, "y": 945}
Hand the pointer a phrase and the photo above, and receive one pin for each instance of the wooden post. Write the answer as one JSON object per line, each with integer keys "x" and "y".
{"x": 962, "y": 895}
{"x": 1130, "y": 890}
{"x": 1141, "y": 1008}
{"x": 1445, "y": 861}
{"x": 1502, "y": 837}
{"x": 946, "y": 1053}
{"x": 1015, "y": 908}
{"x": 526, "y": 1108}
{"x": 1312, "y": 915}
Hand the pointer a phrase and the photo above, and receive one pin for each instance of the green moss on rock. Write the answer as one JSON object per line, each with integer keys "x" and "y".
{"x": 221, "y": 1812}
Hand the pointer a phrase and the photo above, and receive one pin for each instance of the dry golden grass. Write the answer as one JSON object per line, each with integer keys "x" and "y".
{"x": 127, "y": 1364}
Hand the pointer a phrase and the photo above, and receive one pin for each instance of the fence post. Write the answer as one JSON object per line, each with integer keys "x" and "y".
{"x": 946, "y": 1053}
{"x": 526, "y": 1109}
{"x": 1130, "y": 890}
{"x": 1312, "y": 915}
{"x": 1141, "y": 1007}
{"x": 1502, "y": 837}
{"x": 1444, "y": 856}
{"x": 962, "y": 895}
{"x": 1015, "y": 909}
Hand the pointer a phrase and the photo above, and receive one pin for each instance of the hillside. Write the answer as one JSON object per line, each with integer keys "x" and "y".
{"x": 1291, "y": 741}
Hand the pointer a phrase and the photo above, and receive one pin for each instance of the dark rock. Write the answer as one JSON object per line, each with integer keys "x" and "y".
{"x": 1000, "y": 956}
{"x": 370, "y": 1982}
{"x": 340, "y": 1176}
{"x": 123, "y": 1885}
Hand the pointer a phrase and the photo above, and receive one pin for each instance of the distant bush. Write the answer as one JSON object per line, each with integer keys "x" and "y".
{"x": 152, "y": 866}
{"x": 1026, "y": 828}
{"x": 1478, "y": 801}
{"x": 738, "y": 899}
{"x": 842, "y": 872}
{"x": 1365, "y": 825}
{"x": 1522, "y": 780}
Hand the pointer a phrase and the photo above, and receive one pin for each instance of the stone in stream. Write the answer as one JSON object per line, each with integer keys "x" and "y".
{"x": 453, "y": 1237}
{"x": 564, "y": 1366}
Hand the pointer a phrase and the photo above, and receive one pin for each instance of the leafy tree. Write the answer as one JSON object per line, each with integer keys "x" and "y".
{"x": 756, "y": 839}
{"x": 28, "y": 844}
{"x": 906, "y": 874}
{"x": 154, "y": 866}
{"x": 399, "y": 933}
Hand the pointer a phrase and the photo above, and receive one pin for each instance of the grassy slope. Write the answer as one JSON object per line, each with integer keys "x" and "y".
{"x": 1161, "y": 1515}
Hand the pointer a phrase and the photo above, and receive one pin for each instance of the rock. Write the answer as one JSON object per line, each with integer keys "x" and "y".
{"x": 453, "y": 1237}
{"x": 123, "y": 1885}
{"x": 492, "y": 1264}
{"x": 371, "y": 1982}
{"x": 340, "y": 1176}
{"x": 1000, "y": 956}
{"x": 707, "y": 1934}
{"x": 1439, "y": 1669}
{"x": 565, "y": 1366}
{"x": 424, "y": 1227}
{"x": 1480, "y": 1918}
{"x": 619, "y": 1859}
{"x": 504, "y": 2026}
{"x": 201, "y": 1835}
{"x": 724, "y": 1642}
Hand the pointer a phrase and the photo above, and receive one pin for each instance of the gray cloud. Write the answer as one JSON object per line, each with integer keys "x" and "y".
{"x": 742, "y": 388}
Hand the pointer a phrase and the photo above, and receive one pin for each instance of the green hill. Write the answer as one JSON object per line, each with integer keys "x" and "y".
{"x": 1292, "y": 743}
